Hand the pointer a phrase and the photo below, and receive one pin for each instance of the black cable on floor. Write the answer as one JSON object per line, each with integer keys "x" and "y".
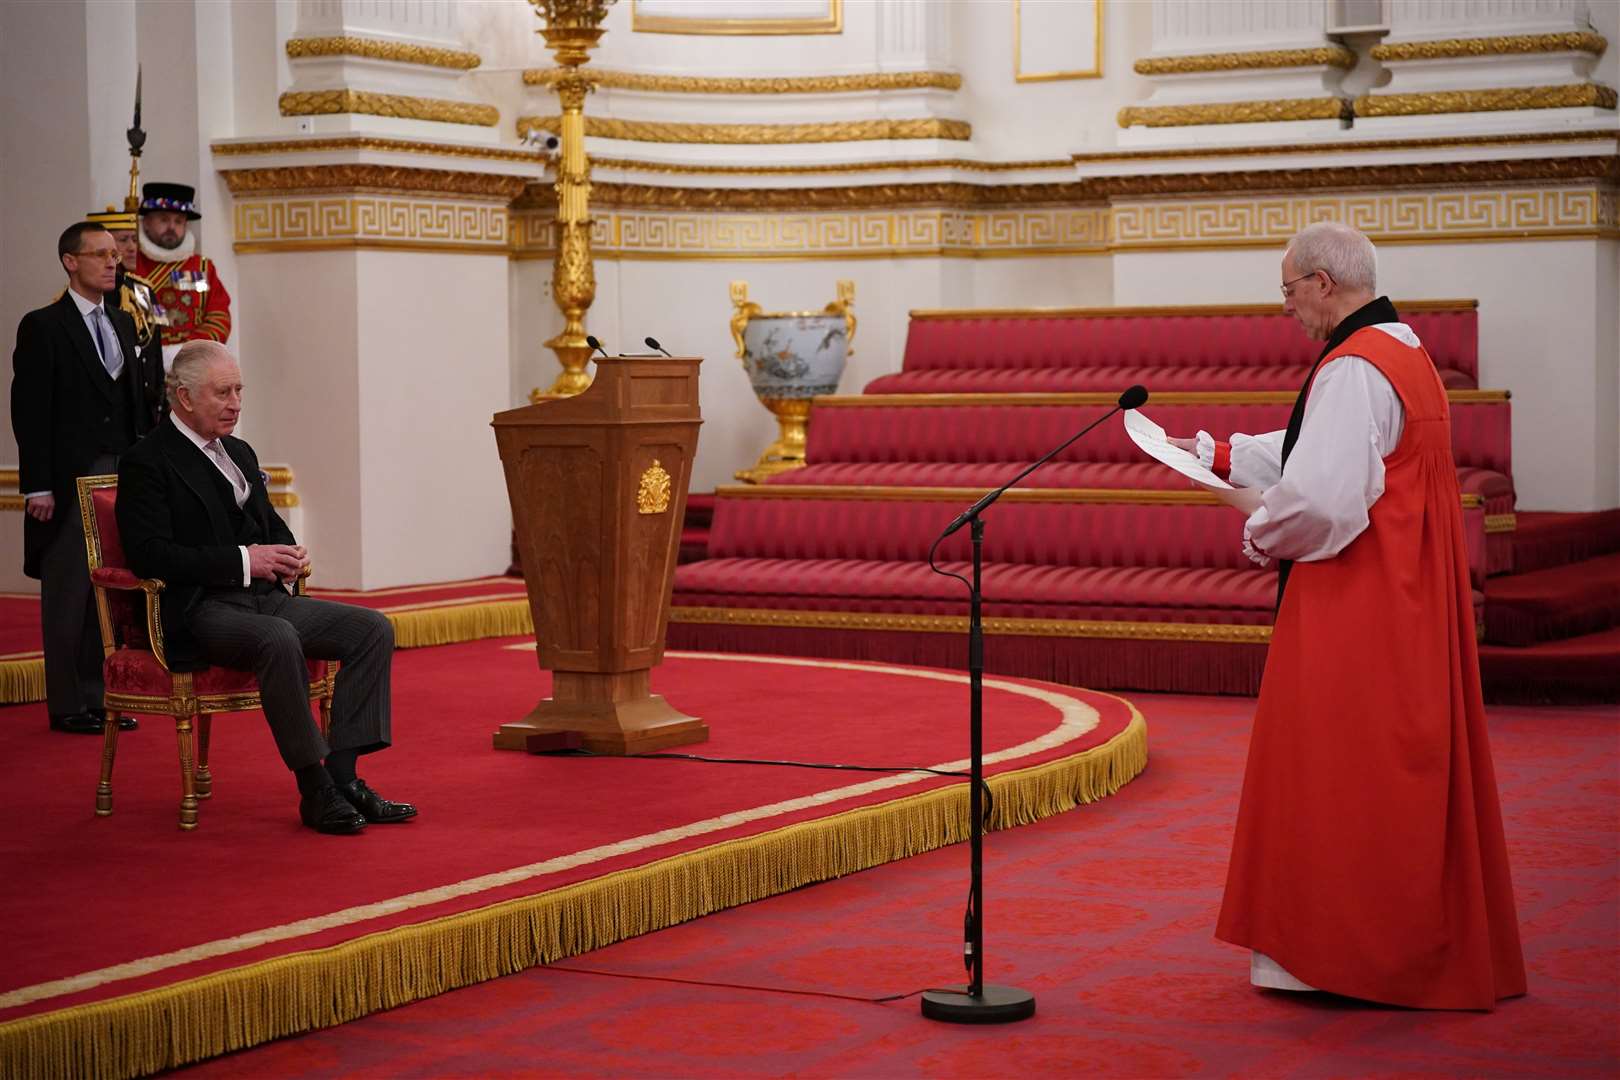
{"x": 748, "y": 986}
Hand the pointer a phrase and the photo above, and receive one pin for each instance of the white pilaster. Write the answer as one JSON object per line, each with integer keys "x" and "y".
{"x": 1246, "y": 71}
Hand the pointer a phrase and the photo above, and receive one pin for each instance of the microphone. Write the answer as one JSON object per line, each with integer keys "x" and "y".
{"x": 597, "y": 345}
{"x": 652, "y": 343}
{"x": 1133, "y": 398}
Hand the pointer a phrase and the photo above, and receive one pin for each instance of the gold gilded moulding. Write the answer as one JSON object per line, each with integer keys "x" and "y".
{"x": 1504, "y": 99}
{"x": 368, "y": 142}
{"x": 382, "y": 179}
{"x": 963, "y": 164}
{"x": 785, "y": 84}
{"x": 755, "y": 134}
{"x": 376, "y": 49}
{"x": 333, "y": 102}
{"x": 1586, "y": 41}
{"x": 1235, "y": 112}
{"x": 1331, "y": 56}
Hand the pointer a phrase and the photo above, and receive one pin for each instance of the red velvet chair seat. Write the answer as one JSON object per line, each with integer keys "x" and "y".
{"x": 1011, "y": 590}
{"x": 137, "y": 671}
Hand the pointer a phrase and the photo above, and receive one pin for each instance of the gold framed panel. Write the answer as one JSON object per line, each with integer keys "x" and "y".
{"x": 830, "y": 23}
{"x": 1020, "y": 75}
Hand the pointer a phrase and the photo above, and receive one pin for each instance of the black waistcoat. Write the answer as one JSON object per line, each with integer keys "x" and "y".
{"x": 1371, "y": 314}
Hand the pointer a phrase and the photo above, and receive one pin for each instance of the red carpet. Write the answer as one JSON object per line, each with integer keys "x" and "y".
{"x": 1105, "y": 914}
{"x": 576, "y": 853}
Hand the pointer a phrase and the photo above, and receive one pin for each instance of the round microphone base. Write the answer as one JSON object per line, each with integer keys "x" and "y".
{"x": 995, "y": 1005}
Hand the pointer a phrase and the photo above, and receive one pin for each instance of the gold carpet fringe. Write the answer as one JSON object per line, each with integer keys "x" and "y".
{"x": 231, "y": 1010}
{"x": 22, "y": 680}
{"x": 463, "y": 622}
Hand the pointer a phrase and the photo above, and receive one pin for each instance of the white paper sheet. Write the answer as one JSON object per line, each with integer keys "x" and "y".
{"x": 1151, "y": 438}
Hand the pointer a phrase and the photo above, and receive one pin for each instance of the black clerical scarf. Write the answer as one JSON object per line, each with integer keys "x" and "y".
{"x": 1378, "y": 311}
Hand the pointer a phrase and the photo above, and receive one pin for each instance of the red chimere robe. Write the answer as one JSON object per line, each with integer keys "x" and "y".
{"x": 1369, "y": 858}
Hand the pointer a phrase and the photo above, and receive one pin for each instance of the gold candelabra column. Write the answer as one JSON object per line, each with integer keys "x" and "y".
{"x": 572, "y": 28}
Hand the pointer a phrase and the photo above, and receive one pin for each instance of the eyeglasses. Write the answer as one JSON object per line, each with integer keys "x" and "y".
{"x": 104, "y": 254}
{"x": 1288, "y": 286}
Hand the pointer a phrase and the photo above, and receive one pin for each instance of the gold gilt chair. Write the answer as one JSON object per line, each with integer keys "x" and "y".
{"x": 136, "y": 672}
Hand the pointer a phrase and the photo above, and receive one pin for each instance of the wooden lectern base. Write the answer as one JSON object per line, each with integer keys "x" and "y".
{"x": 613, "y": 714}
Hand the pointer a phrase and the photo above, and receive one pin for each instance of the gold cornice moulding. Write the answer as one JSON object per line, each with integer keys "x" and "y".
{"x": 332, "y": 102}
{"x": 368, "y": 142}
{"x": 389, "y": 179}
{"x": 964, "y": 164}
{"x": 1586, "y": 41}
{"x": 376, "y": 49}
{"x": 1235, "y": 112}
{"x": 1332, "y": 56}
{"x": 756, "y": 134}
{"x": 850, "y": 197}
{"x": 1335, "y": 147}
{"x": 1503, "y": 99}
{"x": 786, "y": 84}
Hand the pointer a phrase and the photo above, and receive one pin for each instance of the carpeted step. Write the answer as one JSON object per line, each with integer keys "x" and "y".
{"x": 1559, "y": 602}
{"x": 1542, "y": 540}
{"x": 1570, "y": 672}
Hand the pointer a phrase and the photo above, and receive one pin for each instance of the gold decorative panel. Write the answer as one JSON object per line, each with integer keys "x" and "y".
{"x": 827, "y": 19}
{"x": 379, "y": 49}
{"x": 329, "y": 102}
{"x": 658, "y": 131}
{"x": 368, "y": 221}
{"x": 765, "y": 84}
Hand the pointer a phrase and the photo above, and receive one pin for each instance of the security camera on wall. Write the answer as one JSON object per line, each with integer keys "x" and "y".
{"x": 543, "y": 142}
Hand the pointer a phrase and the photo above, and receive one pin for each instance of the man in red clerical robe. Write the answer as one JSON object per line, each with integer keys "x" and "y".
{"x": 1369, "y": 858}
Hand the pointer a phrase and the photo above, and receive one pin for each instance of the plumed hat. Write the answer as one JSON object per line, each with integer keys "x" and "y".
{"x": 178, "y": 197}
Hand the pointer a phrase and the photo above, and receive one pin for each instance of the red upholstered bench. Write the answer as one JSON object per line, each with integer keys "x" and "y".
{"x": 1220, "y": 347}
{"x": 963, "y": 440}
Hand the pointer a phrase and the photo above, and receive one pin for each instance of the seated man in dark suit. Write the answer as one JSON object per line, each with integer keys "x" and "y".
{"x": 193, "y": 511}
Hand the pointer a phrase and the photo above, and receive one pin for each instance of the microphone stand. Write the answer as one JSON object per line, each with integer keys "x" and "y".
{"x": 978, "y": 1003}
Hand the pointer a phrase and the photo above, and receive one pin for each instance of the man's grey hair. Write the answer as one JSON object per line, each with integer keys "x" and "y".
{"x": 190, "y": 366}
{"x": 1345, "y": 253}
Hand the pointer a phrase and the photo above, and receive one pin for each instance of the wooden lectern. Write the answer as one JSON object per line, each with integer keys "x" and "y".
{"x": 598, "y": 488}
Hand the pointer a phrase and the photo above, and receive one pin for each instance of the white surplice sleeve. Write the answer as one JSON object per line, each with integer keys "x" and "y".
{"x": 1353, "y": 420}
{"x": 1256, "y": 459}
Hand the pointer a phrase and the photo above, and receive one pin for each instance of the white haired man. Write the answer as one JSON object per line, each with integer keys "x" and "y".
{"x": 193, "y": 510}
{"x": 1369, "y": 858}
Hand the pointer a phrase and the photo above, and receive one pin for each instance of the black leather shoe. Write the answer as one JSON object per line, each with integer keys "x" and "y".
{"x": 377, "y": 810}
{"x": 78, "y": 724}
{"x": 328, "y": 811}
{"x": 125, "y": 723}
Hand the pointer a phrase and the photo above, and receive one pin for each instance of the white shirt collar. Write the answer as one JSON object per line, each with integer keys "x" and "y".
{"x": 196, "y": 440}
{"x": 85, "y": 306}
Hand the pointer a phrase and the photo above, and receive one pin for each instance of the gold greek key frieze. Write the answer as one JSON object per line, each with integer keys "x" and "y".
{"x": 785, "y": 84}
{"x": 380, "y": 219}
{"x": 1226, "y": 633}
{"x": 1454, "y": 48}
{"x": 1235, "y": 112}
{"x": 1501, "y": 99}
{"x": 1418, "y": 216}
{"x": 330, "y": 102}
{"x": 652, "y": 493}
{"x": 756, "y": 134}
{"x": 368, "y": 142}
{"x": 376, "y": 49}
{"x": 296, "y": 179}
{"x": 1332, "y": 56}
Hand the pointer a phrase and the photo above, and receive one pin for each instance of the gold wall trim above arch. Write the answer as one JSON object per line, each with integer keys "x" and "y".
{"x": 830, "y": 23}
{"x": 1331, "y": 56}
{"x": 1587, "y": 41}
{"x": 783, "y": 84}
{"x": 686, "y": 169}
{"x": 1500, "y": 99}
{"x": 1235, "y": 112}
{"x": 377, "y": 49}
{"x": 297, "y": 179}
{"x": 955, "y": 195}
{"x": 332, "y": 102}
{"x": 757, "y": 134}
{"x": 1358, "y": 146}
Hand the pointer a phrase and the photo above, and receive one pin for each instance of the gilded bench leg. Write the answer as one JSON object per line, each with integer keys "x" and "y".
{"x": 109, "y": 748}
{"x": 188, "y": 793}
{"x": 204, "y": 778}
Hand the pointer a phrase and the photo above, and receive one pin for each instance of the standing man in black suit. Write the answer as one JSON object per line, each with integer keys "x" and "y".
{"x": 77, "y": 403}
{"x": 193, "y": 511}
